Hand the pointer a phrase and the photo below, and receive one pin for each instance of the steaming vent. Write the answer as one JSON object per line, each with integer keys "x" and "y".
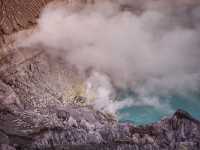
{"x": 137, "y": 52}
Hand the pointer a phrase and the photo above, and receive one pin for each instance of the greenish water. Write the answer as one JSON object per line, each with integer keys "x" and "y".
{"x": 144, "y": 114}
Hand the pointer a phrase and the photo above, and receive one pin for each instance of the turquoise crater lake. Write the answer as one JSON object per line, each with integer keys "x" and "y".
{"x": 145, "y": 114}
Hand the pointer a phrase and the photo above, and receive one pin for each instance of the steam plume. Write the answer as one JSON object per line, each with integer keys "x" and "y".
{"x": 151, "y": 51}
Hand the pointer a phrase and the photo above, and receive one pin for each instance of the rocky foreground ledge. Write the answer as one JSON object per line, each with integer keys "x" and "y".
{"x": 83, "y": 128}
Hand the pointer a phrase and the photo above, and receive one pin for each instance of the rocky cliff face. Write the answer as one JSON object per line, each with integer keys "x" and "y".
{"x": 35, "y": 114}
{"x": 16, "y": 15}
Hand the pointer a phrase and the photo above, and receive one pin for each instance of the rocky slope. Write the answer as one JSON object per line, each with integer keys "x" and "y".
{"x": 35, "y": 113}
{"x": 16, "y": 15}
{"x": 66, "y": 127}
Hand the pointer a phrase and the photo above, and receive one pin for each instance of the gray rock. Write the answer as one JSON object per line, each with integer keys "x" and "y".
{"x": 7, "y": 147}
{"x": 63, "y": 115}
{"x": 4, "y": 139}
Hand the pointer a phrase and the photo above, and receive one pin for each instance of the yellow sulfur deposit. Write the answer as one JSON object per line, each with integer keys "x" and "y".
{"x": 79, "y": 94}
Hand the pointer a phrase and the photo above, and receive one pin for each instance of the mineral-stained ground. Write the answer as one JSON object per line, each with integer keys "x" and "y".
{"x": 35, "y": 114}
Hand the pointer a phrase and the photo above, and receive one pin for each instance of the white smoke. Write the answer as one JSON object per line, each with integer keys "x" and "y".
{"x": 154, "y": 52}
{"x": 100, "y": 86}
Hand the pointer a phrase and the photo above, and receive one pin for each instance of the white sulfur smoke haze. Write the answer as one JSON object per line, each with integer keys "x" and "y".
{"x": 152, "y": 51}
{"x": 100, "y": 86}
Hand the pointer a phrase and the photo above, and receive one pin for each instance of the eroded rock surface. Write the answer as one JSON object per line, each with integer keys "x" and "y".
{"x": 16, "y": 15}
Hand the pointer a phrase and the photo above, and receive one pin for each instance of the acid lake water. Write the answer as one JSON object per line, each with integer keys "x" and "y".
{"x": 144, "y": 114}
